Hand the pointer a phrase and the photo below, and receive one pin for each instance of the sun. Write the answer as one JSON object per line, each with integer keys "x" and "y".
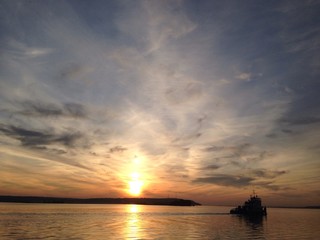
{"x": 135, "y": 185}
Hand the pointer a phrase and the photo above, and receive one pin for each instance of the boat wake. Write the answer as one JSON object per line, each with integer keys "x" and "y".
{"x": 182, "y": 214}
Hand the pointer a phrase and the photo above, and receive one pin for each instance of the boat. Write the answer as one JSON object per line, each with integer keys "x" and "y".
{"x": 251, "y": 207}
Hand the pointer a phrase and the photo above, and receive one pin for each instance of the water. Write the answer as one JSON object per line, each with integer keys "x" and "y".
{"x": 63, "y": 221}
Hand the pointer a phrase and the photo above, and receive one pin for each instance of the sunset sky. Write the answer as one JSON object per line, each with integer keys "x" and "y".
{"x": 204, "y": 100}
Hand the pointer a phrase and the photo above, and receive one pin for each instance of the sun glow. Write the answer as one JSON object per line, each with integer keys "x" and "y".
{"x": 135, "y": 184}
{"x": 135, "y": 181}
{"x": 135, "y": 187}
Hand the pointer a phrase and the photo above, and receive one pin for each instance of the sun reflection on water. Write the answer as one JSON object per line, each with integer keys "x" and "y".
{"x": 133, "y": 223}
{"x": 134, "y": 208}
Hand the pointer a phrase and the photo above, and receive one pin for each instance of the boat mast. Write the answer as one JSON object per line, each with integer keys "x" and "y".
{"x": 254, "y": 193}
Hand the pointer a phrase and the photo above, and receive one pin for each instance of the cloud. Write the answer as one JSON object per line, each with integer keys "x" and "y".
{"x": 263, "y": 173}
{"x": 226, "y": 180}
{"x": 214, "y": 148}
{"x": 258, "y": 157}
{"x": 154, "y": 24}
{"x": 244, "y": 76}
{"x": 41, "y": 109}
{"x": 75, "y": 71}
{"x": 231, "y": 148}
{"x": 288, "y": 131}
{"x": 255, "y": 177}
{"x": 173, "y": 171}
{"x": 302, "y": 120}
{"x": 117, "y": 149}
{"x": 75, "y": 110}
{"x": 28, "y": 159}
{"x": 31, "y": 138}
{"x": 271, "y": 135}
{"x": 210, "y": 167}
{"x": 22, "y": 51}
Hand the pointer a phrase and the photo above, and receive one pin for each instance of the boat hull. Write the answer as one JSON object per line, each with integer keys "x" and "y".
{"x": 241, "y": 211}
{"x": 251, "y": 207}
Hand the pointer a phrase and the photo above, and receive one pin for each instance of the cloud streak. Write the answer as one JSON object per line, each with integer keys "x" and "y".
{"x": 254, "y": 178}
{"x": 39, "y": 109}
{"x": 31, "y": 138}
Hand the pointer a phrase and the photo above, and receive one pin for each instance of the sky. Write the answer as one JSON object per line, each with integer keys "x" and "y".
{"x": 203, "y": 100}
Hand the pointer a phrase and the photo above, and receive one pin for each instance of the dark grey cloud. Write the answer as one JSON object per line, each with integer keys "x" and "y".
{"x": 278, "y": 133}
{"x": 117, "y": 149}
{"x": 214, "y": 148}
{"x": 40, "y": 109}
{"x": 36, "y": 139}
{"x": 75, "y": 110}
{"x": 37, "y": 109}
{"x": 74, "y": 71}
{"x": 210, "y": 167}
{"x": 49, "y": 150}
{"x": 244, "y": 161}
{"x": 232, "y": 153}
{"x": 272, "y": 135}
{"x": 238, "y": 149}
{"x": 67, "y": 139}
{"x": 41, "y": 141}
{"x": 242, "y": 155}
{"x": 255, "y": 177}
{"x": 302, "y": 121}
{"x": 288, "y": 131}
{"x": 268, "y": 173}
{"x": 226, "y": 180}
{"x": 271, "y": 186}
{"x": 259, "y": 157}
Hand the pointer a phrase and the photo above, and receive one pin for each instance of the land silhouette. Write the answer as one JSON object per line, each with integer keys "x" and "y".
{"x": 141, "y": 201}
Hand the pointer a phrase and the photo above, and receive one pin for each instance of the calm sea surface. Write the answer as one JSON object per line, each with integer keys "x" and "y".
{"x": 63, "y": 221}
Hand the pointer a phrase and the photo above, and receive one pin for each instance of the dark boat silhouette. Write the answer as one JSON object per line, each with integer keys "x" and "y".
{"x": 251, "y": 207}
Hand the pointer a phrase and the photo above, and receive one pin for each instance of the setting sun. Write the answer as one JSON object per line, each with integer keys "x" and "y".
{"x": 135, "y": 185}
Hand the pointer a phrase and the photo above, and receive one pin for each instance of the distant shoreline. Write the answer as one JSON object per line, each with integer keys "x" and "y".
{"x": 306, "y": 207}
{"x": 140, "y": 201}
